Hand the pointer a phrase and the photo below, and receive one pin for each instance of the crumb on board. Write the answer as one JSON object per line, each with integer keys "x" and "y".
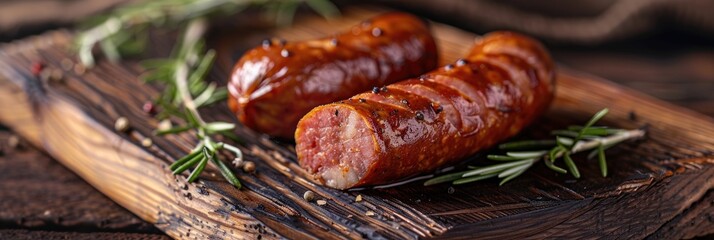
{"x": 79, "y": 69}
{"x": 358, "y": 198}
{"x": 164, "y": 125}
{"x": 146, "y": 142}
{"x": 121, "y": 124}
{"x": 248, "y": 167}
{"x": 13, "y": 141}
{"x": 369, "y": 213}
{"x": 321, "y": 202}
{"x": 308, "y": 195}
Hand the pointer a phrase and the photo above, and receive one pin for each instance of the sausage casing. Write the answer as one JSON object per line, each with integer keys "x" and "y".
{"x": 272, "y": 86}
{"x": 418, "y": 125}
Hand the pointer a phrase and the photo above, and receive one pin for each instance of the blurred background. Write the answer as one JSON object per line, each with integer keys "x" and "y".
{"x": 664, "y": 48}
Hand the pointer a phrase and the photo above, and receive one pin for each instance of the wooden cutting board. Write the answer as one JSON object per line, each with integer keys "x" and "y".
{"x": 660, "y": 187}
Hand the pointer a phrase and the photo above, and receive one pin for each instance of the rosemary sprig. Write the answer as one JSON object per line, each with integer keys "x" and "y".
{"x": 125, "y": 31}
{"x": 522, "y": 155}
{"x": 185, "y": 93}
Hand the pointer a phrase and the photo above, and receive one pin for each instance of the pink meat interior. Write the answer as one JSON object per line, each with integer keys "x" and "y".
{"x": 336, "y": 144}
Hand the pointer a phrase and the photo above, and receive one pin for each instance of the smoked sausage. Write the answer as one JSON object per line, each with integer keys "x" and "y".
{"x": 418, "y": 125}
{"x": 272, "y": 86}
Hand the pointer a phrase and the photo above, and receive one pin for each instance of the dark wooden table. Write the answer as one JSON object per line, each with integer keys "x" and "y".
{"x": 41, "y": 199}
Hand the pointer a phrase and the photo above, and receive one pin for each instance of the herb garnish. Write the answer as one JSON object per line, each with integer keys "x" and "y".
{"x": 521, "y": 156}
{"x": 124, "y": 32}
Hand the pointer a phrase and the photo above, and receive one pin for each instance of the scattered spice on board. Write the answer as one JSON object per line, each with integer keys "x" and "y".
{"x": 249, "y": 167}
{"x": 164, "y": 125}
{"x": 13, "y": 142}
{"x": 147, "y": 142}
{"x": 121, "y": 124}
{"x": 149, "y": 108}
{"x": 37, "y": 67}
{"x": 308, "y": 195}
{"x": 56, "y": 75}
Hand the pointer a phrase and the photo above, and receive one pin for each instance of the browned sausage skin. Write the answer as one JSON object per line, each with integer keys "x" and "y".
{"x": 272, "y": 86}
{"x": 415, "y": 126}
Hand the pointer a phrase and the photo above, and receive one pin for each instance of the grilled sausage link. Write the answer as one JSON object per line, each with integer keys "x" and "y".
{"x": 418, "y": 125}
{"x": 272, "y": 86}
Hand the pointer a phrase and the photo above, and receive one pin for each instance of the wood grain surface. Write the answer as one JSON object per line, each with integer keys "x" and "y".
{"x": 39, "y": 193}
{"x": 660, "y": 187}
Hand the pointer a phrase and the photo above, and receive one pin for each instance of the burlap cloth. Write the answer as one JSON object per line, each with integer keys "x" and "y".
{"x": 573, "y": 21}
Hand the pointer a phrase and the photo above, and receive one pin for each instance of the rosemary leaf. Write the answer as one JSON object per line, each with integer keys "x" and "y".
{"x": 600, "y": 114}
{"x": 184, "y": 159}
{"x": 219, "y": 95}
{"x": 203, "y": 66}
{"x": 215, "y": 127}
{"x": 474, "y": 178}
{"x": 565, "y": 133}
{"x": 232, "y": 136}
{"x": 601, "y": 160}
{"x": 512, "y": 176}
{"x": 511, "y": 171}
{"x": 553, "y": 154}
{"x": 577, "y": 128}
{"x": 188, "y": 164}
{"x": 197, "y": 171}
{"x": 226, "y": 172}
{"x": 527, "y": 144}
{"x": 193, "y": 121}
{"x": 173, "y": 130}
{"x": 595, "y": 131}
{"x": 110, "y": 50}
{"x": 494, "y": 168}
{"x": 196, "y": 88}
{"x": 526, "y": 155}
{"x": 205, "y": 95}
{"x": 571, "y": 165}
{"x": 564, "y": 141}
{"x": 207, "y": 142}
{"x": 552, "y": 166}
{"x": 444, "y": 178}
{"x": 503, "y": 158}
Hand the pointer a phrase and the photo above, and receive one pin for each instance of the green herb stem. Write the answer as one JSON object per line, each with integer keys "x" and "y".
{"x": 522, "y": 155}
